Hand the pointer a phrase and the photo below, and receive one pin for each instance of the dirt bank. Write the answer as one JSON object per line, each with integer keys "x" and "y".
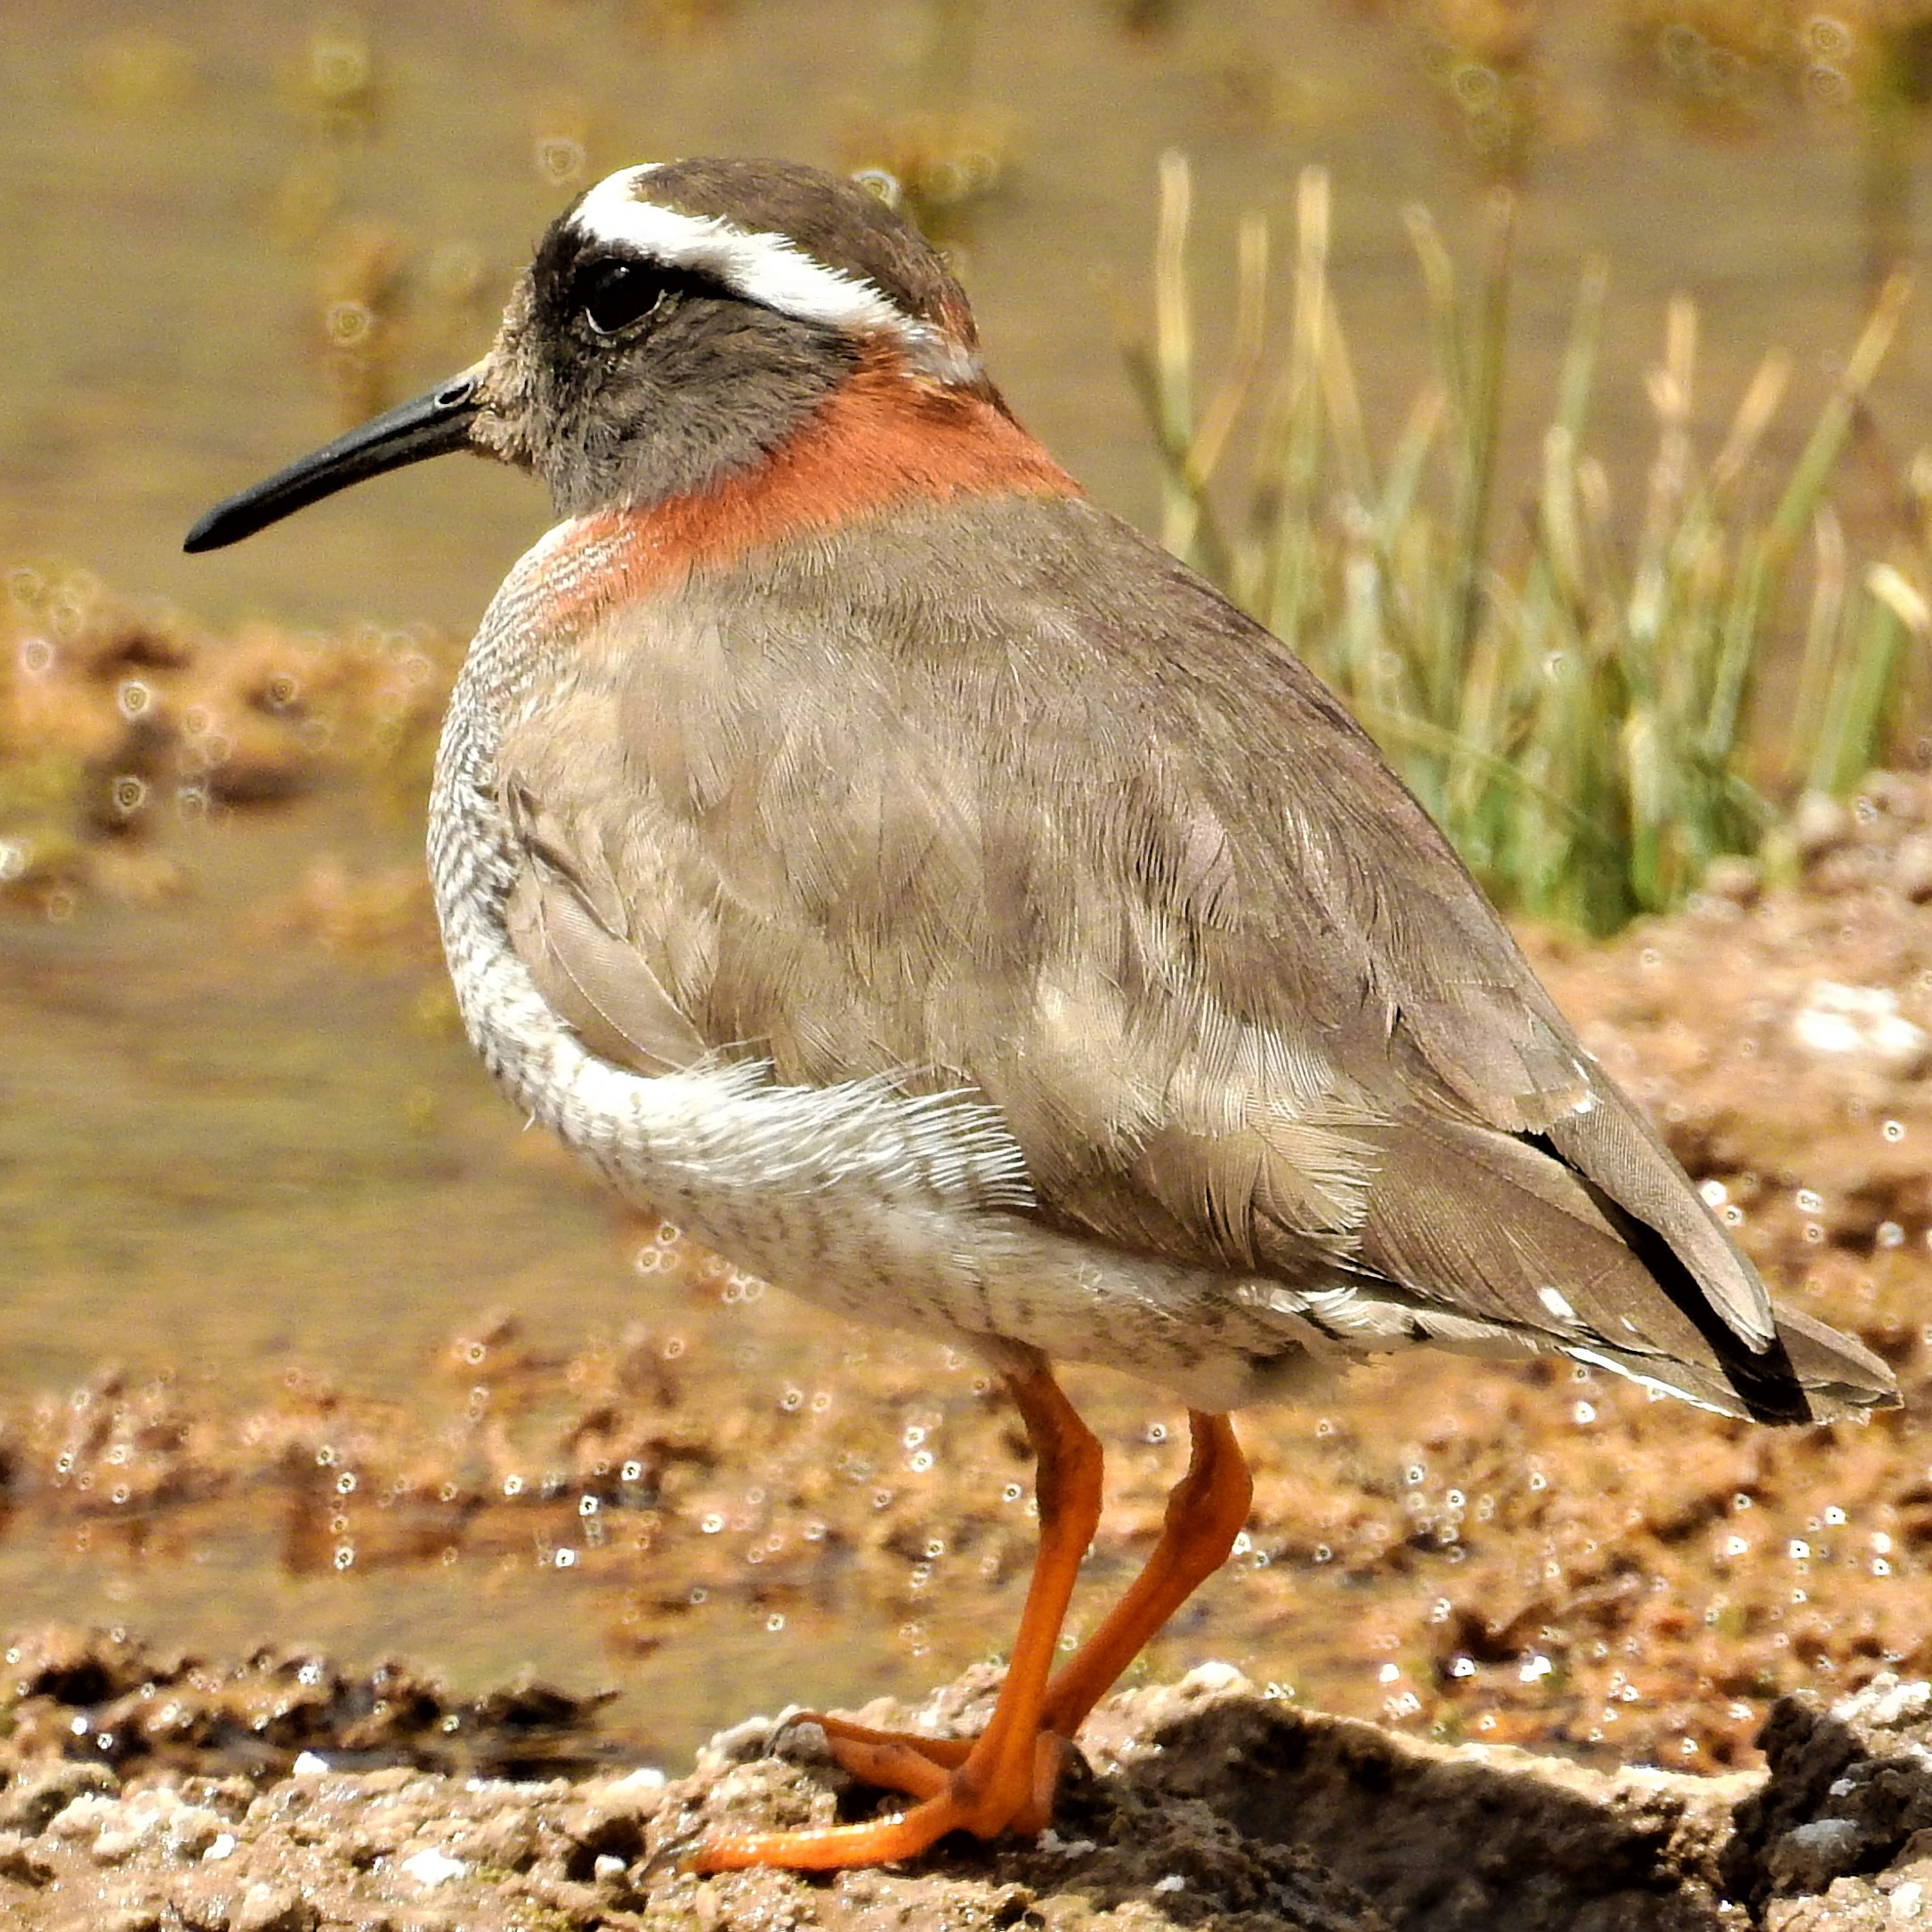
{"x": 1203, "y": 1805}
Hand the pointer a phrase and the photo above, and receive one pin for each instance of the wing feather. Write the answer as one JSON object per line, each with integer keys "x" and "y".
{"x": 1077, "y": 833}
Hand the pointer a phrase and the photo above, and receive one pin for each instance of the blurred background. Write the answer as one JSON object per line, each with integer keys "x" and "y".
{"x": 1547, "y": 370}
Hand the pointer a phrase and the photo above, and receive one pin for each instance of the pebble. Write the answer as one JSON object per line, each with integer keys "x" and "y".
{"x": 1911, "y": 868}
{"x": 1809, "y": 1857}
{"x": 1820, "y": 824}
{"x": 274, "y": 1908}
{"x": 20, "y": 1862}
{"x": 432, "y": 1867}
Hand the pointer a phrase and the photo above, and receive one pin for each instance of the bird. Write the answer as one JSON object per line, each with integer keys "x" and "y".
{"x": 879, "y": 859}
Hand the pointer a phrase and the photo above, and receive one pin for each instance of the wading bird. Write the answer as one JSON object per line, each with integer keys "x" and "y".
{"x": 904, "y": 875}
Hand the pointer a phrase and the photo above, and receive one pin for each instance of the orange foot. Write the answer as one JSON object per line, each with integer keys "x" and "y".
{"x": 1004, "y": 1780}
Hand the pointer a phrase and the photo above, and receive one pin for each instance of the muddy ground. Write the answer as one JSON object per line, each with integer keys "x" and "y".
{"x": 1464, "y": 1554}
{"x": 1203, "y": 1804}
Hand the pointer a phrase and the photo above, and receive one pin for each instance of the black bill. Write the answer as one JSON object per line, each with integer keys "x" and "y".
{"x": 432, "y": 425}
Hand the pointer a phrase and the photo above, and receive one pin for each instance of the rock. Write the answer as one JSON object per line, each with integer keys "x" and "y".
{"x": 274, "y": 1908}
{"x": 1738, "y": 880}
{"x": 1820, "y": 824}
{"x": 1846, "y": 1811}
{"x": 1808, "y": 1857}
{"x": 1911, "y": 868}
{"x": 1198, "y": 1805}
{"x": 30, "y": 1805}
{"x": 20, "y": 1862}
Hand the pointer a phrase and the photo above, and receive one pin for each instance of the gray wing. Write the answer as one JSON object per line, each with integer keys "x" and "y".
{"x": 1079, "y": 833}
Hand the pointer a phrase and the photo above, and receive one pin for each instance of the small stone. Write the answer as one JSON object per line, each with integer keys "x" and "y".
{"x": 144, "y": 1917}
{"x": 1888, "y": 1703}
{"x": 87, "y": 1816}
{"x": 1821, "y": 824}
{"x": 1808, "y": 1858}
{"x": 274, "y": 1908}
{"x": 1212, "y": 1680}
{"x": 20, "y": 1862}
{"x": 1736, "y": 879}
{"x": 117, "y": 1845}
{"x": 1911, "y": 868}
{"x": 31, "y": 1806}
{"x": 193, "y": 1830}
{"x": 431, "y": 1867}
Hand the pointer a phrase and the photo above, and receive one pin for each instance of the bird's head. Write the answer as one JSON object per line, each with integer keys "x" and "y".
{"x": 677, "y": 324}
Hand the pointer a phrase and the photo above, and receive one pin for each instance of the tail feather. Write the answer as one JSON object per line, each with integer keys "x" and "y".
{"x": 1484, "y": 1240}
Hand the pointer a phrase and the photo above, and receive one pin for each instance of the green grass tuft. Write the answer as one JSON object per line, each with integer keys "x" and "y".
{"x": 1575, "y": 707}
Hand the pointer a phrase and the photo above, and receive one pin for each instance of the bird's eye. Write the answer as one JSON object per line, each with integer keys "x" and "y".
{"x": 613, "y": 294}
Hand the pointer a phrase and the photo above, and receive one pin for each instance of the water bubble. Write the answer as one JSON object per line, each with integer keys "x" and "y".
{"x": 921, "y": 1462}
{"x": 1012, "y": 1492}
{"x": 1893, "y": 1130}
{"x": 513, "y": 1485}
{"x": 587, "y": 1506}
{"x": 1157, "y": 1432}
{"x": 345, "y": 1484}
{"x": 792, "y": 1401}
{"x": 346, "y": 1556}
{"x": 565, "y": 1559}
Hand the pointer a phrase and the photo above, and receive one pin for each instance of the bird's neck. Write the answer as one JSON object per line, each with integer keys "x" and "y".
{"x": 879, "y": 441}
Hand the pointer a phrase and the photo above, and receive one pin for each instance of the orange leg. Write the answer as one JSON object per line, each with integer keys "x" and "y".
{"x": 1205, "y": 1514}
{"x": 1006, "y": 1768}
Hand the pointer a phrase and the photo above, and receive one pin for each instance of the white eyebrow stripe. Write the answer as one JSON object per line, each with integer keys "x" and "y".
{"x": 767, "y": 268}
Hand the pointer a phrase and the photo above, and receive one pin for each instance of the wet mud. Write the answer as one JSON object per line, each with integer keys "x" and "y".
{"x": 1202, "y": 1804}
